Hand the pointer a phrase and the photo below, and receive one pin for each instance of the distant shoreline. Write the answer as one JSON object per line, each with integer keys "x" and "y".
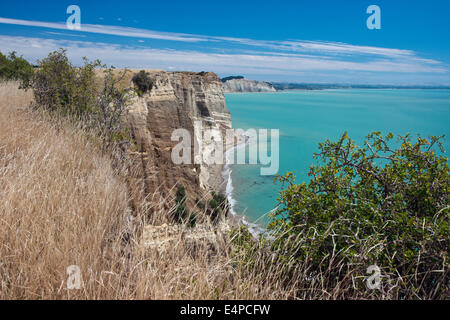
{"x": 343, "y": 88}
{"x": 240, "y": 84}
{"x": 312, "y": 86}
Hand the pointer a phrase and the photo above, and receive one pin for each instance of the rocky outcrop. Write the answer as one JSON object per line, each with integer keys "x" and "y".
{"x": 244, "y": 85}
{"x": 165, "y": 237}
{"x": 177, "y": 100}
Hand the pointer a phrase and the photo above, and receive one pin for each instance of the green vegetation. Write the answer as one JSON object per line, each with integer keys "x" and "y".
{"x": 182, "y": 214}
{"x": 216, "y": 208}
{"x": 60, "y": 87}
{"x": 76, "y": 92}
{"x": 142, "y": 82}
{"x": 232, "y": 78}
{"x": 385, "y": 203}
{"x": 371, "y": 205}
{"x": 15, "y": 68}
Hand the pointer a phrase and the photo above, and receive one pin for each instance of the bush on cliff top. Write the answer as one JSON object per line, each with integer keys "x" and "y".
{"x": 76, "y": 92}
{"x": 15, "y": 68}
{"x": 232, "y": 78}
{"x": 142, "y": 82}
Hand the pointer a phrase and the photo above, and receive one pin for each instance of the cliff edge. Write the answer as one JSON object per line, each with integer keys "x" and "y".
{"x": 176, "y": 101}
{"x": 245, "y": 85}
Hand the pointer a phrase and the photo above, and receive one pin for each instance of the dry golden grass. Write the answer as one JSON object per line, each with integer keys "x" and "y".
{"x": 63, "y": 204}
{"x": 60, "y": 201}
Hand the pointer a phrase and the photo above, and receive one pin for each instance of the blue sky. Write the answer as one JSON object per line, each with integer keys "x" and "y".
{"x": 299, "y": 41}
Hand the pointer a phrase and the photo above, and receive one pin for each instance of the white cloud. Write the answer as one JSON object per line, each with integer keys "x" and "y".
{"x": 228, "y": 55}
{"x": 65, "y": 34}
{"x": 109, "y": 30}
{"x": 323, "y": 47}
{"x": 335, "y": 47}
{"x": 126, "y": 56}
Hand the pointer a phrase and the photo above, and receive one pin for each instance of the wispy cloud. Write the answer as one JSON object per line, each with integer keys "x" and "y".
{"x": 226, "y": 55}
{"x": 65, "y": 34}
{"x": 335, "y": 47}
{"x": 147, "y": 57}
{"x": 109, "y": 30}
{"x": 290, "y": 45}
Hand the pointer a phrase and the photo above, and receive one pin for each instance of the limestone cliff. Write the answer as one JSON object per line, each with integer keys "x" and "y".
{"x": 177, "y": 100}
{"x": 245, "y": 85}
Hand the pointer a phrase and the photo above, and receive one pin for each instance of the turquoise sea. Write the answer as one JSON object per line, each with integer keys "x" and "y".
{"x": 306, "y": 118}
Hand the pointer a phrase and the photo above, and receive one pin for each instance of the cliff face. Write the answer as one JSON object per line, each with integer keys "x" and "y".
{"x": 244, "y": 85}
{"x": 177, "y": 100}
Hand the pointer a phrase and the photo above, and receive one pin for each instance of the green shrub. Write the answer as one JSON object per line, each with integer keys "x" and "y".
{"x": 232, "y": 78}
{"x": 61, "y": 87}
{"x": 371, "y": 205}
{"x": 77, "y": 92}
{"x": 15, "y": 68}
{"x": 142, "y": 82}
{"x": 215, "y": 208}
{"x": 182, "y": 214}
{"x": 218, "y": 207}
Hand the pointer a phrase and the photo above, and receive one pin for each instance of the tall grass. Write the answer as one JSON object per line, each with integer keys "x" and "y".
{"x": 62, "y": 203}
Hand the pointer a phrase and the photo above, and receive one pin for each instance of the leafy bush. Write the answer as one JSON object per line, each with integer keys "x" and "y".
{"x": 182, "y": 214}
{"x": 15, "y": 68}
{"x": 232, "y": 78}
{"x": 218, "y": 206}
{"x": 142, "y": 82}
{"x": 59, "y": 86}
{"x": 76, "y": 92}
{"x": 372, "y": 205}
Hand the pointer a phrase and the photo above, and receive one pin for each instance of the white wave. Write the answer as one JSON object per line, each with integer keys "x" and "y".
{"x": 255, "y": 229}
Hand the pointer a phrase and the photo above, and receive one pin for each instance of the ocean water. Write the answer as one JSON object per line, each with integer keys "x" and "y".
{"x": 306, "y": 118}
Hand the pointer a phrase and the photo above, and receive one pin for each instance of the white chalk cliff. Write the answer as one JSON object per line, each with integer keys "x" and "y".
{"x": 245, "y": 85}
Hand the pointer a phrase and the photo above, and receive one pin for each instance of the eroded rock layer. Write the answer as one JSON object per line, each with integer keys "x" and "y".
{"x": 245, "y": 85}
{"x": 177, "y": 100}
